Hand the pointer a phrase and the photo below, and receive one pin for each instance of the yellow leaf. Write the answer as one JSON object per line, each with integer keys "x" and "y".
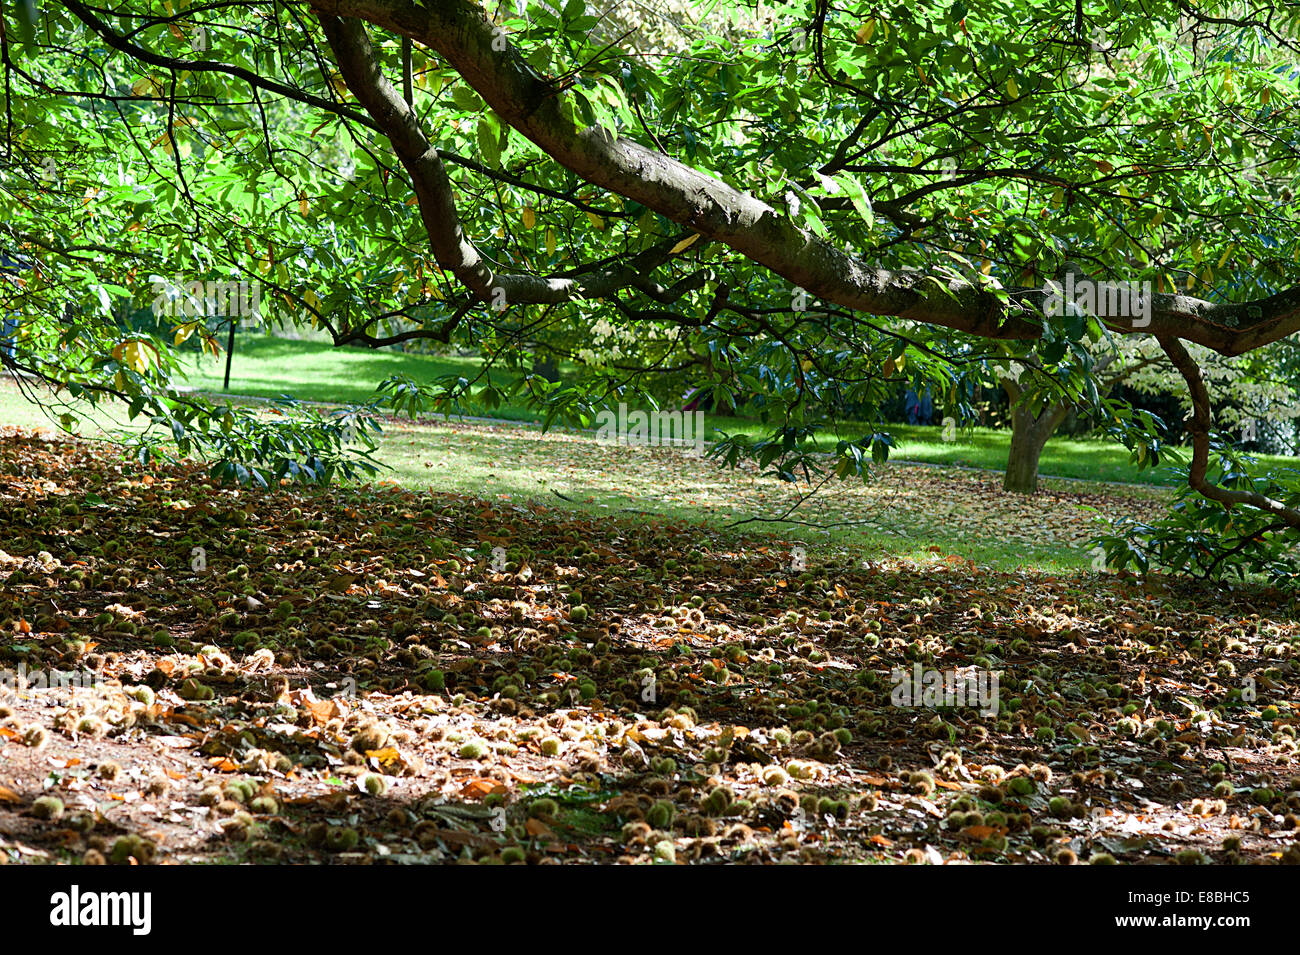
{"x": 134, "y": 356}
{"x": 529, "y": 217}
{"x": 550, "y": 241}
{"x": 597, "y": 222}
{"x": 184, "y": 332}
{"x": 864, "y": 32}
{"x": 1012, "y": 88}
{"x": 686, "y": 243}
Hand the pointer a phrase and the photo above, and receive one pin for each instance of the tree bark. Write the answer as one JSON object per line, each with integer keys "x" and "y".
{"x": 1029, "y": 435}
{"x": 1030, "y": 432}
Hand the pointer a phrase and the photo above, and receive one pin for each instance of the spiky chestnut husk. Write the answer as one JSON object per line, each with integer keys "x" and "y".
{"x": 473, "y": 749}
{"x": 48, "y": 807}
{"x": 543, "y": 808}
{"x": 240, "y": 790}
{"x": 922, "y": 783}
{"x": 369, "y": 738}
{"x": 374, "y": 784}
{"x": 265, "y": 851}
{"x": 1060, "y": 807}
{"x": 660, "y": 815}
{"x": 1101, "y": 858}
{"x": 1189, "y": 857}
{"x": 1020, "y": 786}
{"x": 512, "y": 855}
{"x": 342, "y": 839}
{"x": 1065, "y": 857}
{"x": 93, "y": 857}
{"x": 665, "y": 851}
{"x": 774, "y": 776}
{"x": 717, "y": 801}
{"x": 130, "y": 847}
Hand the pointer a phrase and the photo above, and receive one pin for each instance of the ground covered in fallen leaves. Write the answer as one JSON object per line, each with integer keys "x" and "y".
{"x": 375, "y": 675}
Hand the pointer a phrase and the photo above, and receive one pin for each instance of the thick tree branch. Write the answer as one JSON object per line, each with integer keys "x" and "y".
{"x": 460, "y": 32}
{"x": 1199, "y": 426}
{"x": 359, "y": 64}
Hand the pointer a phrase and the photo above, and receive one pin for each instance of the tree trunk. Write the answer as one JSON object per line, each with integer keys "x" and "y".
{"x": 1029, "y": 435}
{"x": 1022, "y": 460}
{"x": 547, "y": 367}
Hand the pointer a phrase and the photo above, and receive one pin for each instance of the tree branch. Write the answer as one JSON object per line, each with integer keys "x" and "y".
{"x": 460, "y": 32}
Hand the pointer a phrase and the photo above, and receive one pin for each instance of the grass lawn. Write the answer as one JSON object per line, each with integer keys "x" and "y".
{"x": 919, "y": 514}
{"x": 317, "y": 371}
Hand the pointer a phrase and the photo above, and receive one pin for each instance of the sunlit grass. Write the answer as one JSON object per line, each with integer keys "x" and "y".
{"x": 895, "y": 516}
